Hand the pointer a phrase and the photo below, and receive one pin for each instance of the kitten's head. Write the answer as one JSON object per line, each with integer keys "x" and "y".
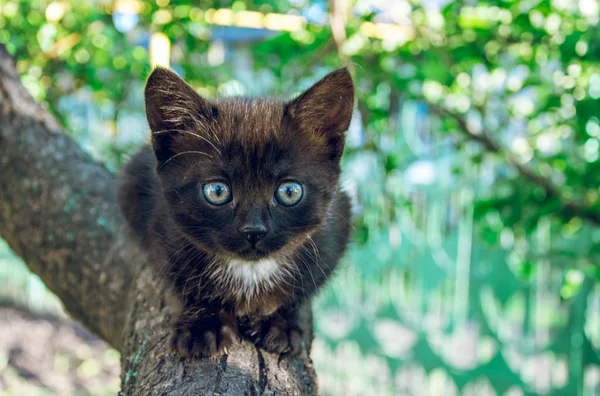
{"x": 245, "y": 178}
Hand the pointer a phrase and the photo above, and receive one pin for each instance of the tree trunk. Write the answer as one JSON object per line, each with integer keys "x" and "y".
{"x": 58, "y": 212}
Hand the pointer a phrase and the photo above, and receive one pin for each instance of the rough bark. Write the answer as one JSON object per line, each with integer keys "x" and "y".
{"x": 58, "y": 212}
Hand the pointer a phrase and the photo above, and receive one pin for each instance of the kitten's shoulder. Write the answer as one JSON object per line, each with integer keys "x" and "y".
{"x": 138, "y": 190}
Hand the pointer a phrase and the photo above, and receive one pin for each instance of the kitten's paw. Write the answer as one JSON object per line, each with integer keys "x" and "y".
{"x": 283, "y": 340}
{"x": 204, "y": 339}
{"x": 276, "y": 336}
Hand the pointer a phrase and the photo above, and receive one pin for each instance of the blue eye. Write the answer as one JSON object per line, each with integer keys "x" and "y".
{"x": 217, "y": 193}
{"x": 289, "y": 193}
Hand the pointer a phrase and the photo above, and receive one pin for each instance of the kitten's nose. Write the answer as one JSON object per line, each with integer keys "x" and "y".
{"x": 253, "y": 232}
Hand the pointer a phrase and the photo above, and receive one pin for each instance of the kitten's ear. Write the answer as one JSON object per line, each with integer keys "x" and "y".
{"x": 326, "y": 109}
{"x": 173, "y": 107}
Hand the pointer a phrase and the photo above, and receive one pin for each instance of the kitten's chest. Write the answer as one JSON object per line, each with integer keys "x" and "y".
{"x": 254, "y": 287}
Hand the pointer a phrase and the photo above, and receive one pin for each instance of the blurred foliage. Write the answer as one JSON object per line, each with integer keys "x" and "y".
{"x": 473, "y": 158}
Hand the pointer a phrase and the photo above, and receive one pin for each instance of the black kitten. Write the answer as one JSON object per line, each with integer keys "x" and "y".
{"x": 240, "y": 198}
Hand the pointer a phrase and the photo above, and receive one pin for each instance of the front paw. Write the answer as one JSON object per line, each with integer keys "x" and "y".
{"x": 204, "y": 338}
{"x": 275, "y": 335}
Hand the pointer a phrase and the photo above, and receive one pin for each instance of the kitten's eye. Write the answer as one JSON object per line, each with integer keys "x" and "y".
{"x": 289, "y": 193}
{"x": 217, "y": 193}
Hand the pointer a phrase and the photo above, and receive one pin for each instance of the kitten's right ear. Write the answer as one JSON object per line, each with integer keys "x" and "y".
{"x": 173, "y": 107}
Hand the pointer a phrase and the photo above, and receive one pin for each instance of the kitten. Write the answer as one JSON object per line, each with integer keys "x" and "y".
{"x": 241, "y": 198}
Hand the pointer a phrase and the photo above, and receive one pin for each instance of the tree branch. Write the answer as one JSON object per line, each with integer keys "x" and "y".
{"x": 569, "y": 206}
{"x": 58, "y": 212}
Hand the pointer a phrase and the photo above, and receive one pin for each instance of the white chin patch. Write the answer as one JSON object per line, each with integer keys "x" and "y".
{"x": 250, "y": 277}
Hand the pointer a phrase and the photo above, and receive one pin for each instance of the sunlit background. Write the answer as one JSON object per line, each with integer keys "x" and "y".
{"x": 473, "y": 159}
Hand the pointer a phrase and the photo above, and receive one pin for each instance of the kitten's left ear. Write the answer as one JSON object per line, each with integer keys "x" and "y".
{"x": 326, "y": 109}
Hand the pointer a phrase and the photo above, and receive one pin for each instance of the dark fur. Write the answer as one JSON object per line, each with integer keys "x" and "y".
{"x": 253, "y": 144}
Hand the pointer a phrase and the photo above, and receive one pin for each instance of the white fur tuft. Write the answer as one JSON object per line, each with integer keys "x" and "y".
{"x": 249, "y": 278}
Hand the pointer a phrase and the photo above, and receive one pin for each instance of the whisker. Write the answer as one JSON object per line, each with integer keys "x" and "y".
{"x": 190, "y": 133}
{"x": 182, "y": 153}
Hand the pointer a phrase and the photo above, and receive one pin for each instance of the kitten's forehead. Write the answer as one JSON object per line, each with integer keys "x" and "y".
{"x": 250, "y": 120}
{"x": 254, "y": 136}
{"x": 253, "y": 142}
